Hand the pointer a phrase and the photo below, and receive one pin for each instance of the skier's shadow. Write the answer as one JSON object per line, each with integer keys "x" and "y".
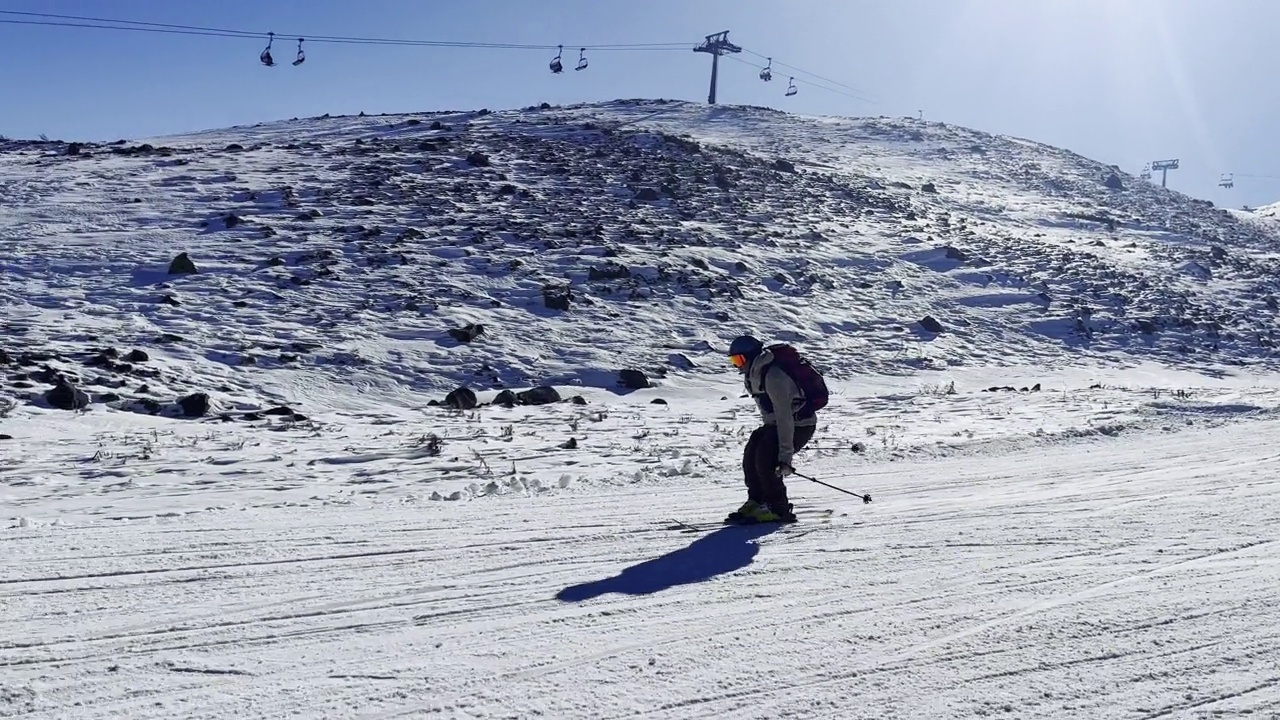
{"x": 723, "y": 551}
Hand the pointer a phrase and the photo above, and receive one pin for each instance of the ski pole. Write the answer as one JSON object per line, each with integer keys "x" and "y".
{"x": 865, "y": 498}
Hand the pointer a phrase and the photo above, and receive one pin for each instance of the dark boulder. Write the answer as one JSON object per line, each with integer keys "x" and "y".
{"x": 468, "y": 333}
{"x": 183, "y": 265}
{"x": 195, "y": 405}
{"x": 929, "y": 323}
{"x": 538, "y": 396}
{"x": 461, "y": 399}
{"x": 634, "y": 379}
{"x": 66, "y": 396}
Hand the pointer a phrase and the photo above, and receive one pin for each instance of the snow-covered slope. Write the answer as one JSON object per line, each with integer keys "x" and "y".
{"x": 1107, "y": 580}
{"x": 343, "y": 250}
{"x": 1271, "y": 212}
{"x": 257, "y": 514}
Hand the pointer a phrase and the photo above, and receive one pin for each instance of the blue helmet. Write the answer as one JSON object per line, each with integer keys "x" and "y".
{"x": 746, "y": 345}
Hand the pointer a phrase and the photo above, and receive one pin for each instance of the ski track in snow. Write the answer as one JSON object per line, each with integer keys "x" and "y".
{"x": 1074, "y": 514}
{"x": 1112, "y": 582}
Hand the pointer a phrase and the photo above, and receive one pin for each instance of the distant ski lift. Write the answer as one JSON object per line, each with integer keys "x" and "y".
{"x": 1227, "y": 180}
{"x": 791, "y": 88}
{"x": 767, "y": 73}
{"x": 1146, "y": 172}
{"x": 557, "y": 67}
{"x": 265, "y": 57}
{"x": 302, "y": 57}
{"x": 582, "y": 59}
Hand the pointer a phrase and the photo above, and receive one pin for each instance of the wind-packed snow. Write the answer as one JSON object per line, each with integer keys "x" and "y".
{"x": 258, "y": 514}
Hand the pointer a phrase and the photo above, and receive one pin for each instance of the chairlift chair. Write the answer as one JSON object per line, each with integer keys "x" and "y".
{"x": 302, "y": 57}
{"x": 556, "y": 66}
{"x": 767, "y": 73}
{"x": 791, "y": 88}
{"x": 1227, "y": 180}
{"x": 265, "y": 57}
{"x": 582, "y": 59}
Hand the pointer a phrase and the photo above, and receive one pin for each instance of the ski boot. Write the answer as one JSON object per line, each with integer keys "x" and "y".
{"x": 762, "y": 513}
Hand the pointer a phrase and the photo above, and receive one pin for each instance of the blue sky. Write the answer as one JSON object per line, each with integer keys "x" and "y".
{"x": 1121, "y": 81}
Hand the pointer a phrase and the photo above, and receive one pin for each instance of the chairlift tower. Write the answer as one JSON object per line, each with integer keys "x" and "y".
{"x": 716, "y": 45}
{"x": 1164, "y": 166}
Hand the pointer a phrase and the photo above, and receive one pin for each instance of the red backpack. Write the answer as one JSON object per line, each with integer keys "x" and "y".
{"x": 806, "y": 377}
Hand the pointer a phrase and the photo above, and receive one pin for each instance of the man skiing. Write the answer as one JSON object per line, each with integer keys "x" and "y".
{"x": 788, "y": 392}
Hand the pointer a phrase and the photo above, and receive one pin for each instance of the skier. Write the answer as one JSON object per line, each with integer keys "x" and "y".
{"x": 788, "y": 392}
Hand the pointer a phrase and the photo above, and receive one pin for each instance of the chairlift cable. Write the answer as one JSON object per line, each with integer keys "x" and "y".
{"x": 802, "y": 71}
{"x": 809, "y": 83}
{"x": 136, "y": 25}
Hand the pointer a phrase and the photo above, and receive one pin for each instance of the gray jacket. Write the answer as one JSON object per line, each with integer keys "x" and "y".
{"x": 778, "y": 398}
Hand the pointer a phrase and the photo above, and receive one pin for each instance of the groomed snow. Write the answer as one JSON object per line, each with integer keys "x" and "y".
{"x": 1111, "y": 577}
{"x": 1074, "y": 513}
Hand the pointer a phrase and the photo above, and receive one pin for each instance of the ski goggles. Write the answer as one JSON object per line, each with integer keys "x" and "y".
{"x": 739, "y": 361}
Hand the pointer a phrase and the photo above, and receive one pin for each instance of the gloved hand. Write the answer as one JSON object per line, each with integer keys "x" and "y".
{"x": 784, "y": 469}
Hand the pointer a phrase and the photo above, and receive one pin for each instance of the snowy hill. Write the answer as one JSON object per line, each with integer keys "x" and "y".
{"x": 1057, "y": 382}
{"x": 1270, "y": 212}
{"x": 346, "y": 249}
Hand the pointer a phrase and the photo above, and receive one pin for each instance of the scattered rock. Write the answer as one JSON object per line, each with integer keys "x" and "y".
{"x": 4, "y": 358}
{"x": 956, "y": 254}
{"x": 478, "y": 159}
{"x": 929, "y": 323}
{"x": 538, "y": 396}
{"x": 634, "y": 379}
{"x": 279, "y": 410}
{"x": 928, "y": 188}
{"x": 104, "y": 359}
{"x": 611, "y": 271}
{"x": 557, "y": 297}
{"x": 5, "y": 437}
{"x": 681, "y": 361}
{"x": 74, "y": 148}
{"x": 507, "y": 399}
{"x": 578, "y": 400}
{"x": 570, "y": 444}
{"x": 66, "y": 396}
{"x": 784, "y": 165}
{"x": 183, "y": 265}
{"x": 658, "y": 401}
{"x": 195, "y": 405}
{"x": 137, "y": 356}
{"x": 1114, "y": 182}
{"x": 468, "y": 333}
{"x": 461, "y": 399}
{"x": 1147, "y": 327}
{"x": 648, "y": 195}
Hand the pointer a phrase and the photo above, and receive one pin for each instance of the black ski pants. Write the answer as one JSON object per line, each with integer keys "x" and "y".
{"x": 760, "y": 463}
